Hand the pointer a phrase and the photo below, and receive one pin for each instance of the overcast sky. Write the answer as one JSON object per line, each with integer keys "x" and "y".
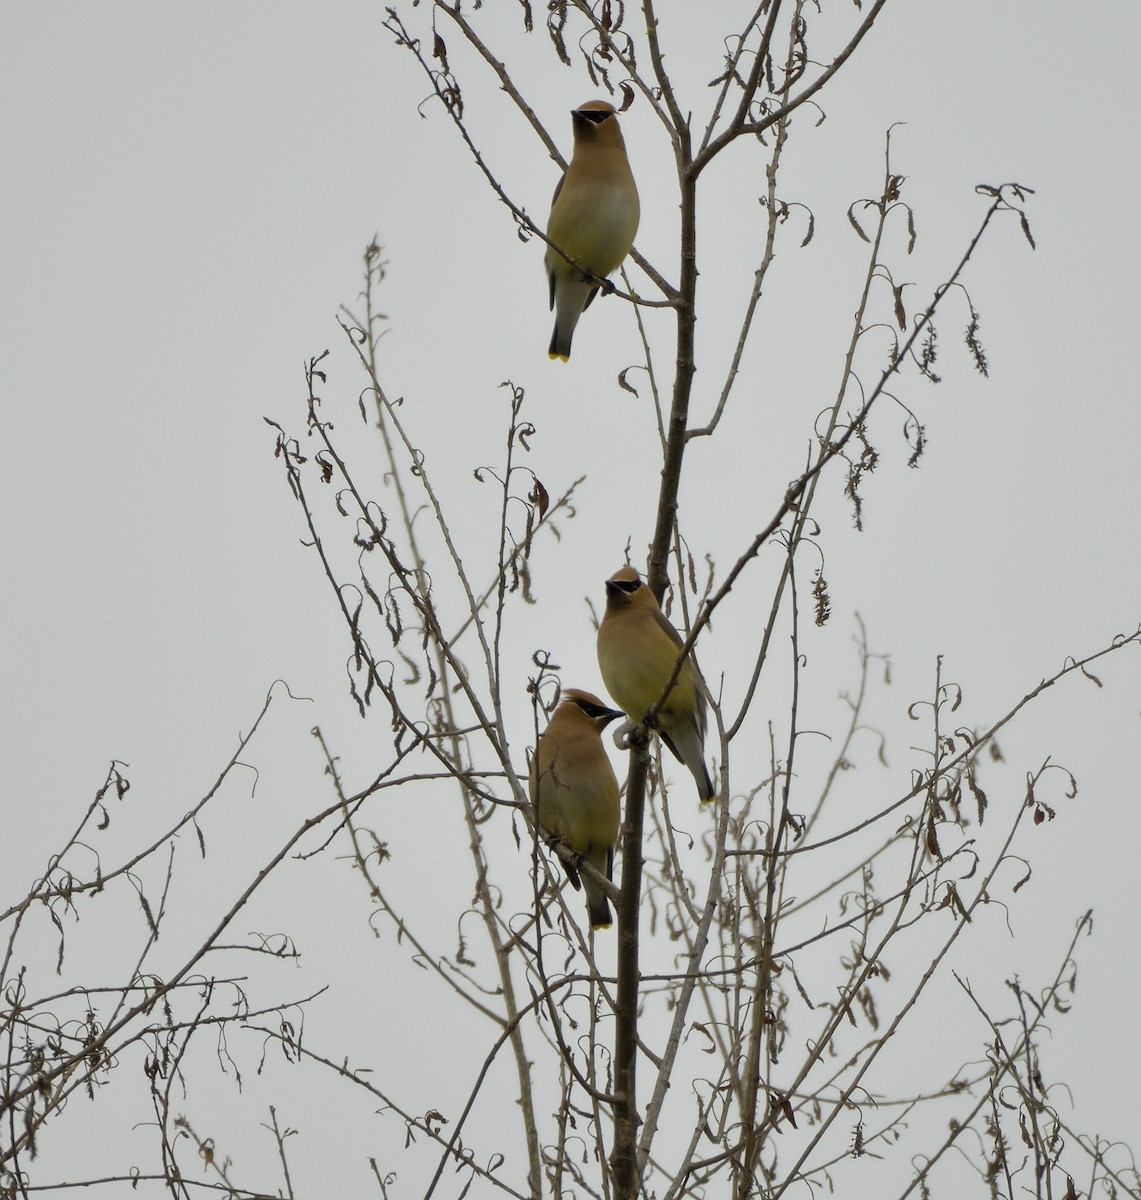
{"x": 188, "y": 192}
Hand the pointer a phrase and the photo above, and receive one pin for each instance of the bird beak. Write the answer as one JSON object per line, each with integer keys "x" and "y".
{"x": 612, "y": 714}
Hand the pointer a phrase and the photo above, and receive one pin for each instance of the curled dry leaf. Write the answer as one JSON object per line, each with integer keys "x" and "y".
{"x": 540, "y": 499}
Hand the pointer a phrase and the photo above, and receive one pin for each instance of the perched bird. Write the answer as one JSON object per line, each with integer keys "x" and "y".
{"x": 594, "y": 216}
{"x": 575, "y": 792}
{"x": 637, "y": 649}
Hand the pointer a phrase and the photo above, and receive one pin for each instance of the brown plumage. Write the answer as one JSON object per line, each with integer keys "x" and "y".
{"x": 575, "y": 792}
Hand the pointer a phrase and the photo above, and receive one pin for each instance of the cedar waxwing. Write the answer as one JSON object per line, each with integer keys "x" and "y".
{"x": 575, "y": 792}
{"x": 594, "y": 216}
{"x": 637, "y": 649}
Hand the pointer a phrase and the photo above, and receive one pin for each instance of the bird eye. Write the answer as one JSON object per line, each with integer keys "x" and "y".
{"x": 594, "y": 115}
{"x": 630, "y": 585}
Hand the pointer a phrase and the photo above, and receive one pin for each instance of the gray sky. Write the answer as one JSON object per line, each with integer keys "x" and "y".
{"x": 188, "y": 193}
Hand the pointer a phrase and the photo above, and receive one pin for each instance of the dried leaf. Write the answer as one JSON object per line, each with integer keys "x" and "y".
{"x": 933, "y": 839}
{"x": 539, "y": 498}
{"x": 811, "y": 229}
{"x": 699, "y": 1027}
{"x": 979, "y": 795}
{"x": 900, "y": 314}
{"x": 624, "y": 384}
{"x": 1026, "y": 231}
{"x": 855, "y": 224}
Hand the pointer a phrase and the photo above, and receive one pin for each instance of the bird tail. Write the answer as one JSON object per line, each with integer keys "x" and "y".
{"x": 560, "y": 344}
{"x": 598, "y": 908}
{"x": 690, "y": 752}
{"x": 705, "y": 788}
{"x": 569, "y": 298}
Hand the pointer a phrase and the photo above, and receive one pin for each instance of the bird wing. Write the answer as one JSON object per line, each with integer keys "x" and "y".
{"x": 666, "y": 628}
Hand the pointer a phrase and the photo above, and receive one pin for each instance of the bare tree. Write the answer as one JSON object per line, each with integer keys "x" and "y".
{"x": 776, "y": 1020}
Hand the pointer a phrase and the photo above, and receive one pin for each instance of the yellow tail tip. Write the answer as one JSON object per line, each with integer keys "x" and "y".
{"x": 561, "y": 357}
